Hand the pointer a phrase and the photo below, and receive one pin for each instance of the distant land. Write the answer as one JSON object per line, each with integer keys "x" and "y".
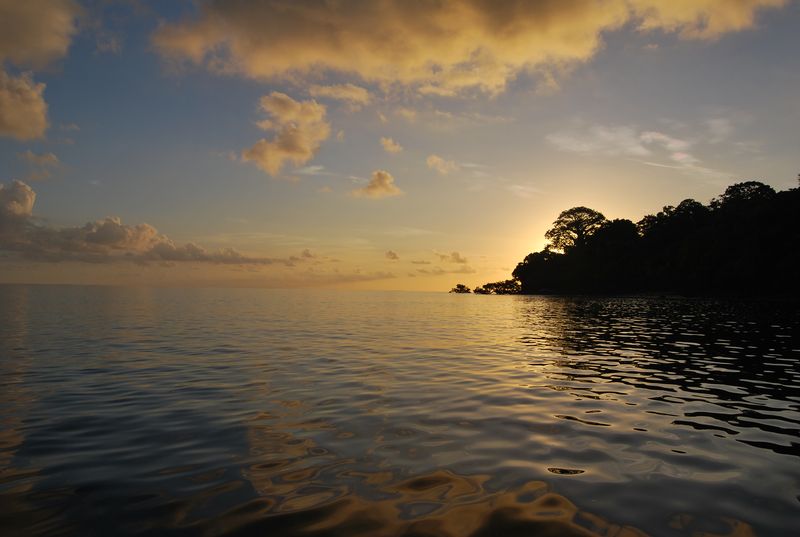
{"x": 744, "y": 242}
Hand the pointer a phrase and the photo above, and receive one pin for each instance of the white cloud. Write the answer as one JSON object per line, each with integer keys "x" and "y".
{"x": 670, "y": 143}
{"x": 523, "y": 191}
{"x": 643, "y": 146}
{"x": 381, "y": 185}
{"x": 300, "y": 128}
{"x": 601, "y": 140}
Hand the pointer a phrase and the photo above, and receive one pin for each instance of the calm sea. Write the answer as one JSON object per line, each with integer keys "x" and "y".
{"x": 261, "y": 412}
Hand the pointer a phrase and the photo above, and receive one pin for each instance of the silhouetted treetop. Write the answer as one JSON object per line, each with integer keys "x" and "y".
{"x": 504, "y": 287}
{"x": 573, "y": 227}
{"x": 460, "y": 289}
{"x": 747, "y": 192}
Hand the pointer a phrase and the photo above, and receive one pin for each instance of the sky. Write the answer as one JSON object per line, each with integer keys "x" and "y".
{"x": 370, "y": 144}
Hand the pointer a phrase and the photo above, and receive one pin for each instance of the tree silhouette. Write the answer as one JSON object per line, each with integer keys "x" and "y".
{"x": 505, "y": 287}
{"x": 573, "y": 227}
{"x": 460, "y": 289}
{"x": 739, "y": 194}
{"x": 745, "y": 241}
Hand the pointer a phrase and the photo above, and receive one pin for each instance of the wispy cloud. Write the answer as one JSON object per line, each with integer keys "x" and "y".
{"x": 452, "y": 257}
{"x": 601, "y": 140}
{"x": 41, "y": 165}
{"x": 439, "y": 271}
{"x": 355, "y": 96}
{"x": 644, "y": 146}
{"x": 440, "y": 165}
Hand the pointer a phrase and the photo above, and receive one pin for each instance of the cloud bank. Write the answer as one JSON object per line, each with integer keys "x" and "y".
{"x": 102, "y": 241}
{"x": 440, "y": 48}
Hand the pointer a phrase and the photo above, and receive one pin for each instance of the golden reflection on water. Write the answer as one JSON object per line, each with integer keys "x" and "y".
{"x": 298, "y": 500}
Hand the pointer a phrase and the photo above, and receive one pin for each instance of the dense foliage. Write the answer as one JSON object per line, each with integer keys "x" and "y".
{"x": 745, "y": 242}
{"x": 460, "y": 289}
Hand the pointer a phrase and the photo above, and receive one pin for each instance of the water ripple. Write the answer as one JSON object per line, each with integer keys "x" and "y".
{"x": 233, "y": 412}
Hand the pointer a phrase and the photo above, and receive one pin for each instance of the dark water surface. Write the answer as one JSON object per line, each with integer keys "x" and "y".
{"x": 252, "y": 412}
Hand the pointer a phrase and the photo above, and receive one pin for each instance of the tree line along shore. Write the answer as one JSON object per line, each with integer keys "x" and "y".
{"x": 744, "y": 242}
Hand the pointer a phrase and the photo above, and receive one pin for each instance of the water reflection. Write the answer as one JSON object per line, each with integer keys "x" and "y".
{"x": 724, "y": 367}
{"x": 247, "y": 413}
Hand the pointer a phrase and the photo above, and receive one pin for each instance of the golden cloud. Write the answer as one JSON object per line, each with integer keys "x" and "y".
{"x": 441, "y": 47}
{"x": 354, "y": 95}
{"x": 16, "y": 201}
{"x": 23, "y": 111}
{"x": 700, "y": 19}
{"x": 390, "y": 145}
{"x": 380, "y": 186}
{"x": 34, "y": 33}
{"x": 442, "y": 166}
{"x": 300, "y": 128}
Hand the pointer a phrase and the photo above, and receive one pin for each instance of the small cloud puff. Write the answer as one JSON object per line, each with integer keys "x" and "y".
{"x": 452, "y": 257}
{"x": 380, "y": 186}
{"x": 300, "y": 128}
{"x": 392, "y": 255}
{"x": 390, "y": 145}
{"x": 16, "y": 201}
{"x": 442, "y": 166}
